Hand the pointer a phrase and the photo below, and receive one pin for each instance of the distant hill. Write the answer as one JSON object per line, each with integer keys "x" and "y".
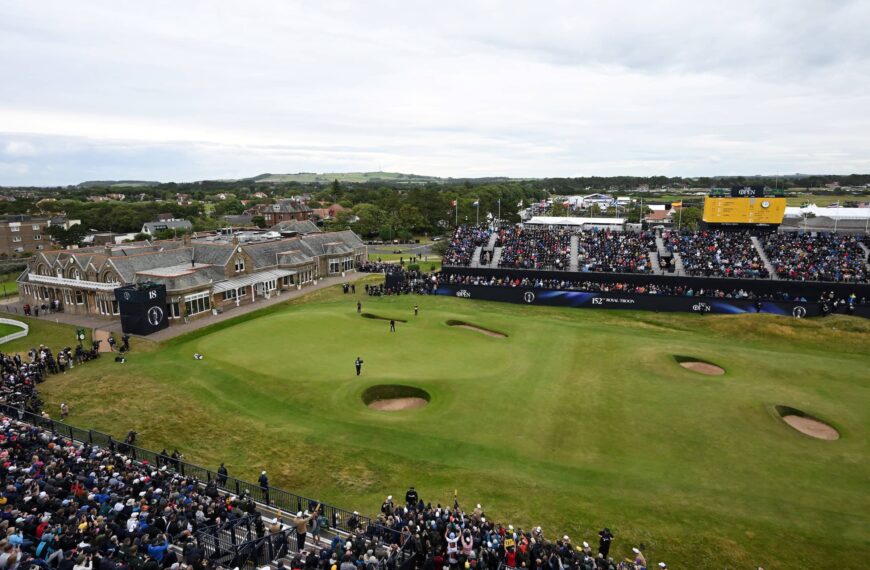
{"x": 362, "y": 177}
{"x": 349, "y": 177}
{"x": 116, "y": 183}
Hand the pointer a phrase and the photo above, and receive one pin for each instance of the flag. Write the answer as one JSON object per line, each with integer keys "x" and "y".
{"x": 677, "y": 204}
{"x": 476, "y": 203}
{"x": 453, "y": 202}
{"x": 520, "y": 205}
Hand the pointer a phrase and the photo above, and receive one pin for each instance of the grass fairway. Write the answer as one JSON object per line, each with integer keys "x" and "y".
{"x": 576, "y": 420}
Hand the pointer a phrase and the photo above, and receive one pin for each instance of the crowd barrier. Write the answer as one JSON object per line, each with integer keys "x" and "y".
{"x": 640, "y": 302}
{"x": 795, "y": 289}
{"x": 25, "y": 330}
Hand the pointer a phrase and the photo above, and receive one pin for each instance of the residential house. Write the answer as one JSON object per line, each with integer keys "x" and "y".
{"x": 21, "y": 234}
{"x": 179, "y": 226}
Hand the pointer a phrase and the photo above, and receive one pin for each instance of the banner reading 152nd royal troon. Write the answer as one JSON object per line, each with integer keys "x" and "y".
{"x": 588, "y": 300}
{"x": 142, "y": 308}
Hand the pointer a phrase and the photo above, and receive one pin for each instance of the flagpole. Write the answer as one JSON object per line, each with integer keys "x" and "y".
{"x": 477, "y": 216}
{"x": 499, "y": 208}
{"x": 456, "y": 208}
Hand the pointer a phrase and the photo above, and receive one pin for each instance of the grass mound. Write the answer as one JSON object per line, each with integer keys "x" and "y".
{"x": 464, "y": 325}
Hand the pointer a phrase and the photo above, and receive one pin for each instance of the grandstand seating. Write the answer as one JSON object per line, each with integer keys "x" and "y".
{"x": 465, "y": 240}
{"x": 615, "y": 252}
{"x": 524, "y": 248}
{"x": 817, "y": 257}
{"x": 705, "y": 253}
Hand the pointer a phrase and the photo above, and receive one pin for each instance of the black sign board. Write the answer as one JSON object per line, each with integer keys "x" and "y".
{"x": 747, "y": 191}
{"x": 143, "y": 308}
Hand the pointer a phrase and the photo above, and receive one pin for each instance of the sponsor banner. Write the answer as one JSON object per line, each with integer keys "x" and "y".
{"x": 588, "y": 300}
{"x": 747, "y": 191}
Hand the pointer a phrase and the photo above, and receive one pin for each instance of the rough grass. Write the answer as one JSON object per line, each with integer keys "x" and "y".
{"x": 579, "y": 419}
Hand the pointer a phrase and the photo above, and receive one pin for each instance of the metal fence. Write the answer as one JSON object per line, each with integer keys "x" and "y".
{"x": 236, "y": 543}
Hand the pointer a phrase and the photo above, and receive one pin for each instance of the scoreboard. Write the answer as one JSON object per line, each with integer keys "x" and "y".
{"x": 744, "y": 210}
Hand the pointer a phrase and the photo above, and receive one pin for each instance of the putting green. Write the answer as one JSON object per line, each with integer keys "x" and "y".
{"x": 577, "y": 420}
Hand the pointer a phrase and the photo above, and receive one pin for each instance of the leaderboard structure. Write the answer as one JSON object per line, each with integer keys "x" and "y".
{"x": 743, "y": 207}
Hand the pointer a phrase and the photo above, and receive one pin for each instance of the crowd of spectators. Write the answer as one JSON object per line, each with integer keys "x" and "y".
{"x": 817, "y": 256}
{"x": 72, "y": 506}
{"x": 524, "y": 248}
{"x": 445, "y": 537}
{"x": 20, "y": 375}
{"x": 615, "y": 252}
{"x": 464, "y": 242}
{"x": 714, "y": 253}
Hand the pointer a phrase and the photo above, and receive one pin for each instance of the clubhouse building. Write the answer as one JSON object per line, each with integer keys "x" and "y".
{"x": 202, "y": 276}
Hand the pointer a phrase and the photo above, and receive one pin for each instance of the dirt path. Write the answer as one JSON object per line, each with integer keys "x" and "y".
{"x": 398, "y": 404}
{"x": 812, "y": 428}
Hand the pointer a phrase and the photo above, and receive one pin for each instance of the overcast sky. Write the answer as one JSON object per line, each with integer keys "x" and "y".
{"x": 183, "y": 90}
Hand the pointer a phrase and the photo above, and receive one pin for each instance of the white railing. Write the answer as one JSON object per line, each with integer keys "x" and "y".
{"x": 50, "y": 280}
{"x": 25, "y": 330}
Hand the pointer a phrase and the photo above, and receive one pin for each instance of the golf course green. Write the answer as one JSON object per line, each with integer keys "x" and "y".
{"x": 570, "y": 419}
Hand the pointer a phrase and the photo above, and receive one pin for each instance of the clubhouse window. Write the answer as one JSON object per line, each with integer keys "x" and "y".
{"x": 174, "y": 310}
{"x": 240, "y": 265}
{"x": 235, "y": 293}
{"x": 80, "y": 298}
{"x": 197, "y": 303}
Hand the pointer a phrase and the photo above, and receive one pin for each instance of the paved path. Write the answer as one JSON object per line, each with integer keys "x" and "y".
{"x": 14, "y": 307}
{"x": 574, "y": 260}
{"x": 756, "y": 243}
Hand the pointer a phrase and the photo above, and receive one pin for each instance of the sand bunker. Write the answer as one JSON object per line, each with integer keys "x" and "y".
{"x": 469, "y": 326}
{"x": 398, "y": 404}
{"x": 395, "y": 397}
{"x": 699, "y": 366}
{"x": 703, "y": 368}
{"x": 807, "y": 424}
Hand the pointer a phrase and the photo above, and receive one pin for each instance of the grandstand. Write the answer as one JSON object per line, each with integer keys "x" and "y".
{"x": 802, "y": 267}
{"x": 703, "y": 253}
